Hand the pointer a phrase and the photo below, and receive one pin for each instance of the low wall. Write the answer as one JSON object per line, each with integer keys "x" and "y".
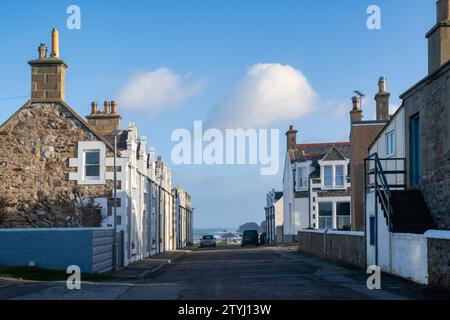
{"x": 409, "y": 257}
{"x": 438, "y": 245}
{"x": 90, "y": 249}
{"x": 347, "y": 247}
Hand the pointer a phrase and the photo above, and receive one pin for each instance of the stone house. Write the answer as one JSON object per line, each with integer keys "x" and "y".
{"x": 408, "y": 175}
{"x": 316, "y": 186}
{"x": 47, "y": 147}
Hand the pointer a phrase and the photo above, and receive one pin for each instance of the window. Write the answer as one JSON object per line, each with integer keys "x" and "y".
{"x": 302, "y": 178}
{"x": 390, "y": 143}
{"x": 325, "y": 215}
{"x": 343, "y": 214}
{"x": 92, "y": 164}
{"x": 339, "y": 176}
{"x": 328, "y": 176}
{"x": 372, "y": 230}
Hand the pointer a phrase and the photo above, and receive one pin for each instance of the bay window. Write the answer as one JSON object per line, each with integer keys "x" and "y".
{"x": 328, "y": 176}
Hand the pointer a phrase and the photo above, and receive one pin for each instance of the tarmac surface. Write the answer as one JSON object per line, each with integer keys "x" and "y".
{"x": 228, "y": 273}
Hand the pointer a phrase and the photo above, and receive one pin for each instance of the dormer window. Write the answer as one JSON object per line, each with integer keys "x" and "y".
{"x": 340, "y": 176}
{"x": 328, "y": 176}
{"x": 302, "y": 178}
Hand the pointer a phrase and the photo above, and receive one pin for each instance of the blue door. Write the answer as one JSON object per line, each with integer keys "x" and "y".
{"x": 414, "y": 132}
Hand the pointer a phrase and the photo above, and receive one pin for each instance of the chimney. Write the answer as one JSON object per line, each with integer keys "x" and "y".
{"x": 382, "y": 100}
{"x": 107, "y": 121}
{"x": 94, "y": 107}
{"x": 107, "y": 109}
{"x": 439, "y": 37}
{"x": 48, "y": 74}
{"x": 42, "y": 52}
{"x": 291, "y": 135}
{"x": 55, "y": 44}
{"x": 356, "y": 113}
{"x": 113, "y": 107}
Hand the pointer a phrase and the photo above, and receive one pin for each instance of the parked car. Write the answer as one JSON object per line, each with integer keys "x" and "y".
{"x": 250, "y": 238}
{"x": 207, "y": 241}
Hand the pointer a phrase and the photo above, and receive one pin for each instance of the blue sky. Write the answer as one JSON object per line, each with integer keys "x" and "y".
{"x": 207, "y": 48}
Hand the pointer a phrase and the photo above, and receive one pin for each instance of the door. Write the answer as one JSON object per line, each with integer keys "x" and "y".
{"x": 415, "y": 159}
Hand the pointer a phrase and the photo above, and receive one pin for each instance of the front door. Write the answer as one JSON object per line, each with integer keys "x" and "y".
{"x": 414, "y": 133}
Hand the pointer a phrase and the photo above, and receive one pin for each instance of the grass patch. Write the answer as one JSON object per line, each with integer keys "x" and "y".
{"x": 38, "y": 274}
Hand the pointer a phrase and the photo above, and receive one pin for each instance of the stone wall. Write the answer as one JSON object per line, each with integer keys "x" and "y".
{"x": 439, "y": 263}
{"x": 35, "y": 146}
{"x": 431, "y": 99}
{"x": 347, "y": 247}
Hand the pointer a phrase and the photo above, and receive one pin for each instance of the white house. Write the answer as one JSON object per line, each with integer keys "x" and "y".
{"x": 274, "y": 217}
{"x": 316, "y": 186}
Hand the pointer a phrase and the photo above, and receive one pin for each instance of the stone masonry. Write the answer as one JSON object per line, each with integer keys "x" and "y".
{"x": 430, "y": 98}
{"x": 35, "y": 146}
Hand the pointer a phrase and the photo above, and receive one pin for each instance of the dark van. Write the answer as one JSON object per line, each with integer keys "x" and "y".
{"x": 250, "y": 238}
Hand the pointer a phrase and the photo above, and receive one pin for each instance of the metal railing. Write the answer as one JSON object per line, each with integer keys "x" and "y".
{"x": 376, "y": 179}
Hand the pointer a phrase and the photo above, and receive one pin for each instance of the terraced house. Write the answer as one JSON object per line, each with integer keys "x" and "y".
{"x": 58, "y": 170}
{"x": 316, "y": 186}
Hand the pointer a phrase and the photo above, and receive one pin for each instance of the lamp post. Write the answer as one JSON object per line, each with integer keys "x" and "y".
{"x": 115, "y": 133}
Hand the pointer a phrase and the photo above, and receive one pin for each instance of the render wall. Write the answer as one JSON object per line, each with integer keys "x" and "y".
{"x": 90, "y": 249}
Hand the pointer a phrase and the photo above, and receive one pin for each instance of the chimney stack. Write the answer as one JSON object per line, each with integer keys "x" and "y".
{"x": 291, "y": 135}
{"x": 439, "y": 37}
{"x": 48, "y": 74}
{"x": 356, "y": 113}
{"x": 106, "y": 121}
{"x": 382, "y": 100}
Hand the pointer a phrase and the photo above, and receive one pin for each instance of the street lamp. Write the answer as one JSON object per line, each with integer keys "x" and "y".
{"x": 115, "y": 133}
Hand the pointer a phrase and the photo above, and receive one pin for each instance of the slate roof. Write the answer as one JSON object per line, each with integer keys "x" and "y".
{"x": 318, "y": 151}
{"x": 278, "y": 195}
{"x": 121, "y": 140}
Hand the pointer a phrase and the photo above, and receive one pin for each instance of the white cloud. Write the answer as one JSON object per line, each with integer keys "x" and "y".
{"x": 156, "y": 90}
{"x": 268, "y": 93}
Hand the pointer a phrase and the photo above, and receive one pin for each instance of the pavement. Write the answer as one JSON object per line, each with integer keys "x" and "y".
{"x": 229, "y": 273}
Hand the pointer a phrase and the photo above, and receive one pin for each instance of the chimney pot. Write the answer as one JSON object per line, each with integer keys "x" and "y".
{"x": 94, "y": 107}
{"x": 382, "y": 85}
{"x": 107, "y": 104}
{"x": 356, "y": 103}
{"x": 443, "y": 10}
{"x": 113, "y": 107}
{"x": 55, "y": 43}
{"x": 42, "y": 51}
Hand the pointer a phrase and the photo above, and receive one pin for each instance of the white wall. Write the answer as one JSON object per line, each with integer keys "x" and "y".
{"x": 397, "y": 125}
{"x": 410, "y": 257}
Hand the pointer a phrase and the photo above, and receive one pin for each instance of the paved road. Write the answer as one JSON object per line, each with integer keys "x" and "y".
{"x": 235, "y": 273}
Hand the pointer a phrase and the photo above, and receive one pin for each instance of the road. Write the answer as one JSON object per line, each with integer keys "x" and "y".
{"x": 272, "y": 273}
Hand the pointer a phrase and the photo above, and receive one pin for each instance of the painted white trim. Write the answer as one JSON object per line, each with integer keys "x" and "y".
{"x": 79, "y": 163}
{"x": 437, "y": 234}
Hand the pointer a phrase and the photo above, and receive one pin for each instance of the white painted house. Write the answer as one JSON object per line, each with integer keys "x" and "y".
{"x": 274, "y": 217}
{"x": 316, "y": 186}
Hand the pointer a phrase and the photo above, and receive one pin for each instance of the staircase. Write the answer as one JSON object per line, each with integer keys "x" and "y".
{"x": 410, "y": 213}
{"x": 405, "y": 210}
